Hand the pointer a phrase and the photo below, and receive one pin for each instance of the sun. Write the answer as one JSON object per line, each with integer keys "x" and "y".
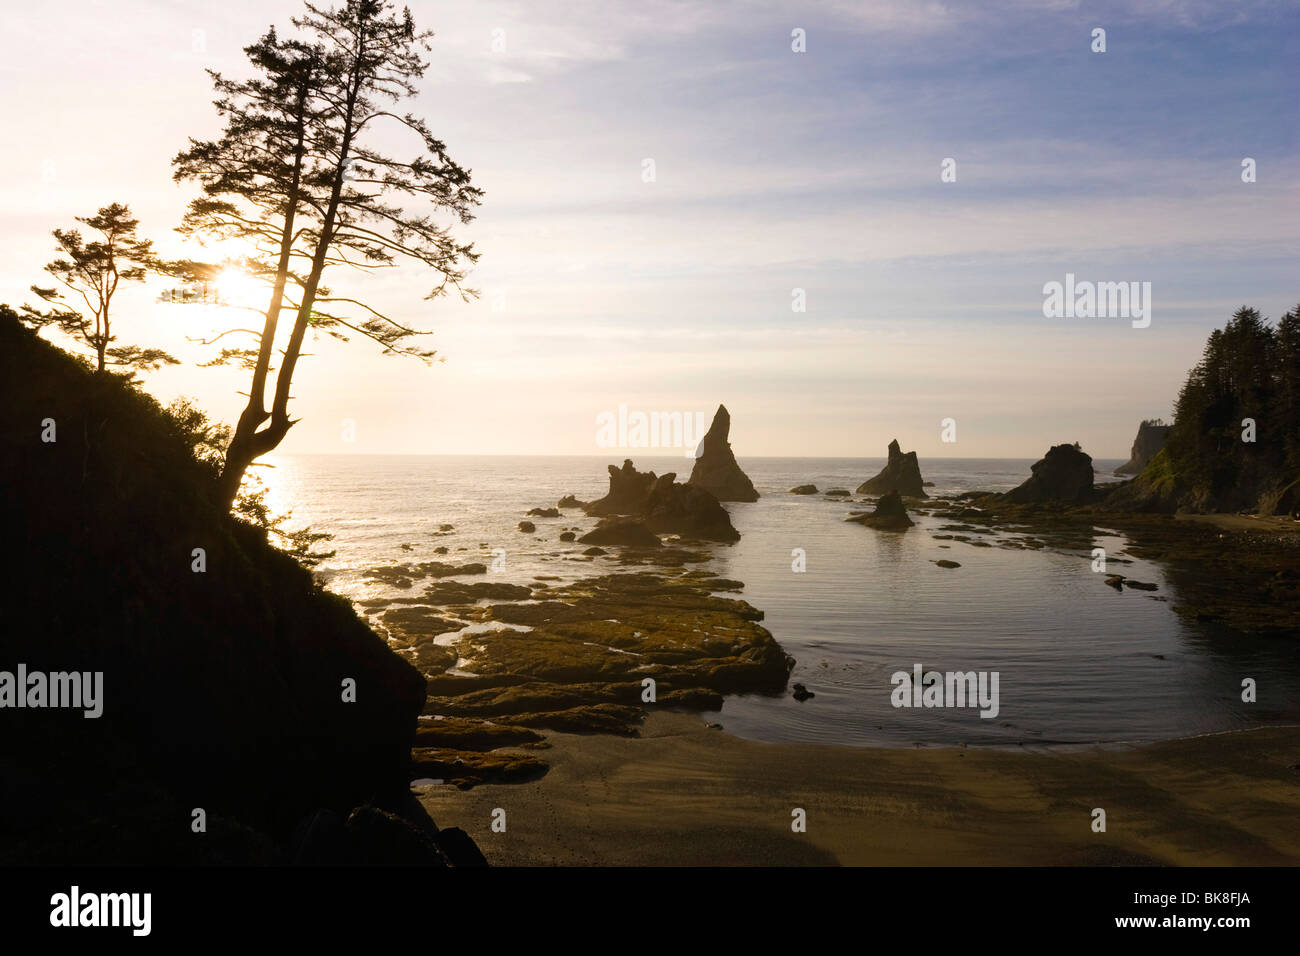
{"x": 240, "y": 288}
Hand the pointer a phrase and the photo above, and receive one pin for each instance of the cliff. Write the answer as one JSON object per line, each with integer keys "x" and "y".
{"x": 1151, "y": 437}
{"x": 222, "y": 688}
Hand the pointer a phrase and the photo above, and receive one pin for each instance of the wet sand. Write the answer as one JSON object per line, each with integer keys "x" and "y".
{"x": 683, "y": 794}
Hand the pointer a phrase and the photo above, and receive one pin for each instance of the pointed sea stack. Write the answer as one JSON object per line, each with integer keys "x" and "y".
{"x": 902, "y": 474}
{"x": 715, "y": 469}
{"x": 1063, "y": 474}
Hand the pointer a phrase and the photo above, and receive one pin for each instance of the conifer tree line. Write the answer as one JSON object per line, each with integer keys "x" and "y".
{"x": 1246, "y": 386}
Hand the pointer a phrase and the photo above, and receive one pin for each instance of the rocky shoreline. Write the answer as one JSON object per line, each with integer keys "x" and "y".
{"x": 506, "y": 664}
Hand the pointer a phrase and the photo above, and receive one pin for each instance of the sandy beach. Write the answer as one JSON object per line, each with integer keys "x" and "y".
{"x": 685, "y": 794}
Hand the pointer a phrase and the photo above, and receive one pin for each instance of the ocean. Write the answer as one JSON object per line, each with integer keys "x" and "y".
{"x": 1078, "y": 663}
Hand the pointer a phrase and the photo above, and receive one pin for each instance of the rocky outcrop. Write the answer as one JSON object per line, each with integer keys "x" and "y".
{"x": 890, "y": 514}
{"x": 1151, "y": 437}
{"x": 902, "y": 473}
{"x": 715, "y": 468}
{"x": 804, "y": 490}
{"x": 234, "y": 683}
{"x": 1064, "y": 474}
{"x": 629, "y": 492}
{"x": 688, "y": 511}
{"x": 665, "y": 506}
{"x": 623, "y": 531}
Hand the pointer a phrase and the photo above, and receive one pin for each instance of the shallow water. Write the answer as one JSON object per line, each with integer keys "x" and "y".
{"x": 1078, "y": 662}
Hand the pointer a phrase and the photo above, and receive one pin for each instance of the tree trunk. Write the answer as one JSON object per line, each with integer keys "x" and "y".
{"x": 247, "y": 444}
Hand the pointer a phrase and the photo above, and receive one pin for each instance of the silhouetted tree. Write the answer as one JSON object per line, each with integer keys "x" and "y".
{"x": 298, "y": 172}
{"x": 1248, "y": 370}
{"x": 92, "y": 271}
{"x": 1286, "y": 394}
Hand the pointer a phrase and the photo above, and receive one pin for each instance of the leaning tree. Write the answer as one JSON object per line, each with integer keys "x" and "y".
{"x": 298, "y": 179}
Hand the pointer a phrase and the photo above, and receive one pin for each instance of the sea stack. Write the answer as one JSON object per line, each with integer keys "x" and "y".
{"x": 902, "y": 473}
{"x": 664, "y": 505}
{"x": 890, "y": 514}
{"x": 1064, "y": 474}
{"x": 715, "y": 469}
{"x": 1151, "y": 437}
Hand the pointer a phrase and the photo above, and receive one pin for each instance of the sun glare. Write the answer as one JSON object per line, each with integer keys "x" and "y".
{"x": 240, "y": 288}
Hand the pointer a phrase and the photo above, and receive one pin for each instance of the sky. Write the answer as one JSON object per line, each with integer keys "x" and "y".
{"x": 774, "y": 171}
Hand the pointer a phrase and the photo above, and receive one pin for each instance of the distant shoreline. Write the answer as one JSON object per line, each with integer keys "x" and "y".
{"x": 616, "y": 454}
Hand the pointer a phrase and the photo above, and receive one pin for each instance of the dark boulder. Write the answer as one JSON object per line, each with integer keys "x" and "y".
{"x": 902, "y": 473}
{"x": 715, "y": 468}
{"x": 544, "y": 512}
{"x": 1064, "y": 474}
{"x": 804, "y": 490}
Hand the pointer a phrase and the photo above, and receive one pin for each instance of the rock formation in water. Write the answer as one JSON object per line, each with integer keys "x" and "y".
{"x": 1151, "y": 437}
{"x": 890, "y": 514}
{"x": 804, "y": 490}
{"x": 621, "y": 530}
{"x": 902, "y": 473}
{"x": 665, "y": 506}
{"x": 1064, "y": 474}
{"x": 715, "y": 468}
